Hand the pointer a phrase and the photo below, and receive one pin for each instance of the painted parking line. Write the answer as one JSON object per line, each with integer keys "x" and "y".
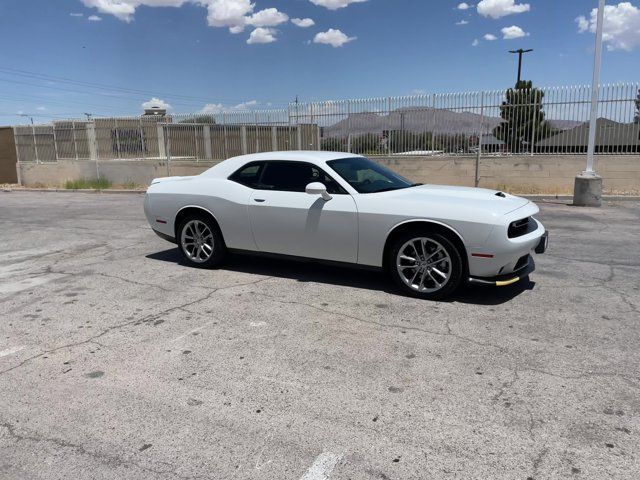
{"x": 10, "y": 351}
{"x": 322, "y": 467}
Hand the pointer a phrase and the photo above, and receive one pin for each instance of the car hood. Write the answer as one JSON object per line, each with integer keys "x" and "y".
{"x": 493, "y": 201}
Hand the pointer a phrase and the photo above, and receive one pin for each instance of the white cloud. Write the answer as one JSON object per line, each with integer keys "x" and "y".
{"x": 262, "y": 35}
{"x": 156, "y": 103}
{"x": 333, "y": 37}
{"x": 583, "y": 24}
{"x": 621, "y": 26}
{"x": 462, "y": 22}
{"x": 41, "y": 109}
{"x": 269, "y": 17}
{"x": 489, "y": 37}
{"x": 335, "y": 4}
{"x": 233, "y": 14}
{"x": 475, "y": 43}
{"x": 77, "y": 14}
{"x": 94, "y": 18}
{"x": 303, "y": 22}
{"x": 228, "y": 13}
{"x": 123, "y": 9}
{"x": 512, "y": 32}
{"x": 213, "y": 108}
{"x": 463, "y": 6}
{"x": 501, "y": 8}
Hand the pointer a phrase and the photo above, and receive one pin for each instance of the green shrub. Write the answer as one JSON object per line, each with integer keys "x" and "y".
{"x": 100, "y": 183}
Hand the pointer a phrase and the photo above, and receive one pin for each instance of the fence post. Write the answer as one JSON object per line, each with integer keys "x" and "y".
{"x": 534, "y": 121}
{"x": 274, "y": 139}
{"x": 311, "y": 140}
{"x": 243, "y": 137}
{"x": 15, "y": 141}
{"x": 75, "y": 142}
{"x": 162, "y": 151}
{"x": 207, "y": 142}
{"x": 35, "y": 143}
{"x": 298, "y": 137}
{"x": 143, "y": 144}
{"x": 481, "y": 133}
{"x": 389, "y": 126}
{"x": 255, "y": 120}
{"x": 115, "y": 122}
{"x": 433, "y": 129}
{"x": 349, "y": 126}
{"x": 167, "y": 148}
{"x": 55, "y": 142}
{"x": 224, "y": 135}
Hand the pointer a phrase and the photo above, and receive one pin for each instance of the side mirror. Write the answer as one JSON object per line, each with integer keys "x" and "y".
{"x": 317, "y": 188}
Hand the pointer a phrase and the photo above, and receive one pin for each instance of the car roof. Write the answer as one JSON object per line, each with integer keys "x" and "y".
{"x": 227, "y": 167}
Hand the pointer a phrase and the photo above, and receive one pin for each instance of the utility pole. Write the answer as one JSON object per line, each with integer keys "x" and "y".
{"x": 88, "y": 115}
{"x": 588, "y": 185}
{"x": 520, "y": 53}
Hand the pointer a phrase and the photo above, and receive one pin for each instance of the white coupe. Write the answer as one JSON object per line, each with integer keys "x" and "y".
{"x": 345, "y": 208}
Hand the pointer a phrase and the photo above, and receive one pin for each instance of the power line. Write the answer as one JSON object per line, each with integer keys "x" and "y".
{"x": 96, "y": 85}
{"x": 108, "y": 95}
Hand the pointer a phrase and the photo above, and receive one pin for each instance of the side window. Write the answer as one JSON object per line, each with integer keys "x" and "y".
{"x": 295, "y": 176}
{"x": 249, "y": 175}
{"x": 333, "y": 187}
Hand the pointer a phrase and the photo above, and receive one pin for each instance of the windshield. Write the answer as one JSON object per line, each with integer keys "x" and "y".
{"x": 366, "y": 176}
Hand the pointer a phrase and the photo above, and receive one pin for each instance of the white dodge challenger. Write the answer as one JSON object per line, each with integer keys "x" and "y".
{"x": 347, "y": 209}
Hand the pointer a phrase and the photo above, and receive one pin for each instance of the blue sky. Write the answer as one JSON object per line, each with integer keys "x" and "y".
{"x": 187, "y": 57}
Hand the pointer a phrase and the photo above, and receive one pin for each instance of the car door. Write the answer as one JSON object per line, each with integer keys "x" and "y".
{"x": 286, "y": 220}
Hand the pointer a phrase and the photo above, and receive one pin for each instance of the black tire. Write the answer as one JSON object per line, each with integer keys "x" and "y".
{"x": 453, "y": 261}
{"x": 209, "y": 234}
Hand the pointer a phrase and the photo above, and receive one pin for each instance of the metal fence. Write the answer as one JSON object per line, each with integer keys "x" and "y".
{"x": 505, "y": 122}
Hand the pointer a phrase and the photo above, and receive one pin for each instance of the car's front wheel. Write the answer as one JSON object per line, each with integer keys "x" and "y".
{"x": 201, "y": 242}
{"x": 425, "y": 265}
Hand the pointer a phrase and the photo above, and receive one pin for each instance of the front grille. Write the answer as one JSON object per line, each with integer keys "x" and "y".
{"x": 520, "y": 228}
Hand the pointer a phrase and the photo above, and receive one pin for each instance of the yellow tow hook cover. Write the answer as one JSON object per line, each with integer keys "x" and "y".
{"x": 508, "y": 282}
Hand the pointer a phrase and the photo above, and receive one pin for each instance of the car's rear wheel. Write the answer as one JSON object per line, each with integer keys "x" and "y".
{"x": 201, "y": 242}
{"x": 425, "y": 265}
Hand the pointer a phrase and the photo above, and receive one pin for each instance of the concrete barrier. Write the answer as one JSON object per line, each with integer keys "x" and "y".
{"x": 517, "y": 174}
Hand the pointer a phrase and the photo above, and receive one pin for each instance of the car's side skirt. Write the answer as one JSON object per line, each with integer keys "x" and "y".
{"x": 294, "y": 258}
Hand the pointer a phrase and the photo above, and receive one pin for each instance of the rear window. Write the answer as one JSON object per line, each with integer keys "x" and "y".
{"x": 249, "y": 175}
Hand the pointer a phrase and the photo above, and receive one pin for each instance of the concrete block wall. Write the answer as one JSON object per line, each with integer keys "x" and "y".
{"x": 516, "y": 174}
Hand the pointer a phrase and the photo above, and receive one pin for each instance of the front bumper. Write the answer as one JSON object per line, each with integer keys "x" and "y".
{"x": 516, "y": 276}
{"x": 508, "y": 279}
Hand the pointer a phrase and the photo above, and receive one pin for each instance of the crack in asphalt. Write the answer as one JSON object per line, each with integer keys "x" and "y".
{"x": 449, "y": 333}
{"x": 109, "y": 459}
{"x": 148, "y": 318}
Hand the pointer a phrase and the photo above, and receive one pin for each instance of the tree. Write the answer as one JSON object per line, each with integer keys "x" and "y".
{"x": 333, "y": 145}
{"x": 203, "y": 118}
{"x": 637, "y": 117}
{"x": 368, "y": 143}
{"x": 523, "y": 118}
{"x": 404, "y": 141}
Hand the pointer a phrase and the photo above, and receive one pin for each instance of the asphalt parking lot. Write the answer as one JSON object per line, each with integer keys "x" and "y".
{"x": 116, "y": 361}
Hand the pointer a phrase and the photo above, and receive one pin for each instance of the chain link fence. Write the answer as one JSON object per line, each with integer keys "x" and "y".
{"x": 530, "y": 121}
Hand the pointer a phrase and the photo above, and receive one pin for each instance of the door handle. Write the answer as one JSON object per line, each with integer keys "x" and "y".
{"x": 259, "y": 200}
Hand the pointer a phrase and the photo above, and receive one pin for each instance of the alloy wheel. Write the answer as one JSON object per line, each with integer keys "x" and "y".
{"x": 424, "y": 265}
{"x": 197, "y": 241}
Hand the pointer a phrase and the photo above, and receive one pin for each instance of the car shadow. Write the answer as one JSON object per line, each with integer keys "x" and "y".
{"x": 317, "y": 272}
